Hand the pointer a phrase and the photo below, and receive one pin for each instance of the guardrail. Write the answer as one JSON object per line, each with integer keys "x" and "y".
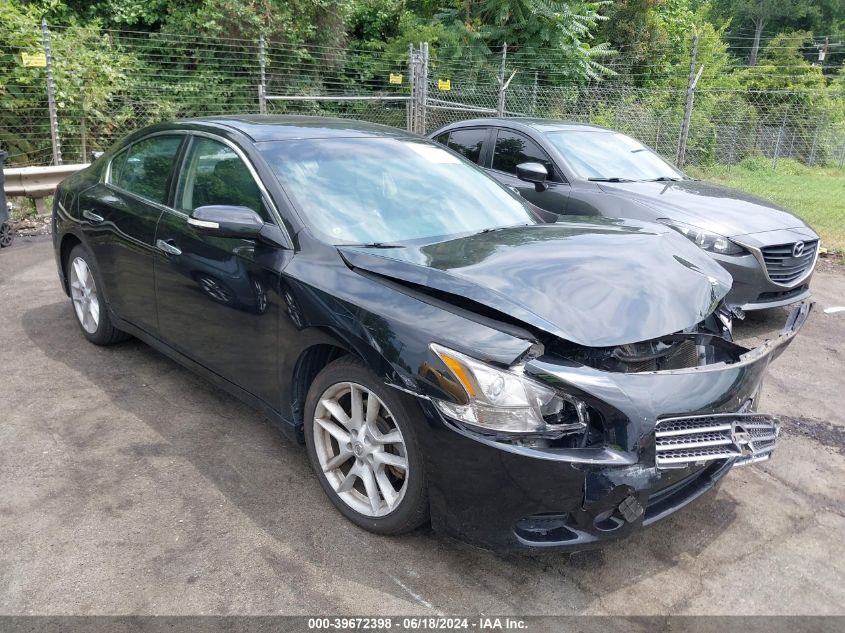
{"x": 37, "y": 182}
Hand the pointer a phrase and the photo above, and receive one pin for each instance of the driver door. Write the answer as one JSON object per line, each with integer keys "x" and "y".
{"x": 216, "y": 297}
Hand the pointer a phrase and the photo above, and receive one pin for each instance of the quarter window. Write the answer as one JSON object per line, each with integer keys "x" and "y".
{"x": 468, "y": 142}
{"x": 512, "y": 149}
{"x": 144, "y": 169}
{"x": 215, "y": 174}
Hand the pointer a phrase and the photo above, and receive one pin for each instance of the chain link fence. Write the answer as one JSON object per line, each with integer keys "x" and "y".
{"x": 66, "y": 92}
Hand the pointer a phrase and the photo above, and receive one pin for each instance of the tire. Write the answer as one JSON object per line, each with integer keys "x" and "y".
{"x": 396, "y": 412}
{"x": 85, "y": 293}
{"x": 7, "y": 234}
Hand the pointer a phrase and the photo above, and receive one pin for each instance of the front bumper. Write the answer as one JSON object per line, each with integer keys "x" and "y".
{"x": 752, "y": 287}
{"x": 505, "y": 496}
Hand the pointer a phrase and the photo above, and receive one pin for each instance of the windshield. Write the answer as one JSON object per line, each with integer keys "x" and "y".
{"x": 601, "y": 155}
{"x": 383, "y": 190}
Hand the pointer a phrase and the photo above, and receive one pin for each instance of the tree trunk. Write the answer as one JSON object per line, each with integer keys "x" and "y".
{"x": 759, "y": 23}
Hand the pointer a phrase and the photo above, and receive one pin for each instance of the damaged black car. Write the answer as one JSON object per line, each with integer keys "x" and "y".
{"x": 445, "y": 351}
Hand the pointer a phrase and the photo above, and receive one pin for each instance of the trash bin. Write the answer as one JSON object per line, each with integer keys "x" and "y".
{"x": 6, "y": 232}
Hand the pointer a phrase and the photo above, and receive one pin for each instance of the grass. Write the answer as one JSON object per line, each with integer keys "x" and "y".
{"x": 815, "y": 194}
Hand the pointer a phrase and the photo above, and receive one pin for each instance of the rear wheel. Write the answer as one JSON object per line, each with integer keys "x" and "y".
{"x": 88, "y": 305}
{"x": 362, "y": 445}
{"x": 6, "y": 234}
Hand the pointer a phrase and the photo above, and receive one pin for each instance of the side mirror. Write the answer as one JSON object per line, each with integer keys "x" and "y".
{"x": 220, "y": 220}
{"x": 533, "y": 172}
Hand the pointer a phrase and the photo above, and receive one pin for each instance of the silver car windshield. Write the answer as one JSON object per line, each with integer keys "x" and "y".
{"x": 603, "y": 155}
{"x": 383, "y": 190}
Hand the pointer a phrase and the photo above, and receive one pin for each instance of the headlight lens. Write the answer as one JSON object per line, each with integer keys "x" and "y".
{"x": 506, "y": 400}
{"x": 712, "y": 242}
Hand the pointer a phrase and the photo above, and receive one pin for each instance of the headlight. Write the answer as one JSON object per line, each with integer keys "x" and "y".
{"x": 505, "y": 400}
{"x": 712, "y": 242}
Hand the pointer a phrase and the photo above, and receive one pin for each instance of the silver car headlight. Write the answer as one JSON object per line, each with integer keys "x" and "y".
{"x": 707, "y": 240}
{"x": 506, "y": 400}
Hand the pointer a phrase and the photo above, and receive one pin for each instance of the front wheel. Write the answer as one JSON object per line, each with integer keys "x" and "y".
{"x": 362, "y": 444}
{"x": 88, "y": 305}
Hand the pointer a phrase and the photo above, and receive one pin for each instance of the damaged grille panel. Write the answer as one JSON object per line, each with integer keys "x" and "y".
{"x": 745, "y": 437}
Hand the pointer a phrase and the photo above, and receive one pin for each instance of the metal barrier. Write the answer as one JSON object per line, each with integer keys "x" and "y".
{"x": 37, "y": 182}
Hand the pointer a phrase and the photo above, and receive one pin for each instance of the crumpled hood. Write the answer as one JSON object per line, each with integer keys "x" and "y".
{"x": 592, "y": 284}
{"x": 726, "y": 211}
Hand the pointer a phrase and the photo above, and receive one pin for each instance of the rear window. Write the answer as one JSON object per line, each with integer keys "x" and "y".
{"x": 468, "y": 142}
{"x": 144, "y": 169}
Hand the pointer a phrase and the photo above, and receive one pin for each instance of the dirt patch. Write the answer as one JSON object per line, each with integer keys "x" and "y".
{"x": 823, "y": 432}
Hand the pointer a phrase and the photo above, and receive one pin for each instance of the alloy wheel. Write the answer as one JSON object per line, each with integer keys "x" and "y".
{"x": 360, "y": 449}
{"x": 83, "y": 291}
{"x": 6, "y": 234}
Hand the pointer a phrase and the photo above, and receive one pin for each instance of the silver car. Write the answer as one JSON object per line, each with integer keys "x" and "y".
{"x": 577, "y": 169}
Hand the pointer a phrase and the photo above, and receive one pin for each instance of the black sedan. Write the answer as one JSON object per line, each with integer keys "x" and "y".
{"x": 579, "y": 169}
{"x": 444, "y": 350}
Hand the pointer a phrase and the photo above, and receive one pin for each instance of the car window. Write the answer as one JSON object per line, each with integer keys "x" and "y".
{"x": 144, "y": 169}
{"x": 468, "y": 142}
{"x": 214, "y": 174}
{"x": 368, "y": 190}
{"x": 602, "y": 154}
{"x": 443, "y": 139}
{"x": 512, "y": 149}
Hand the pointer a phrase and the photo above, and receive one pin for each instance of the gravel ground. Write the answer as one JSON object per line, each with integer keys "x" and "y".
{"x": 129, "y": 486}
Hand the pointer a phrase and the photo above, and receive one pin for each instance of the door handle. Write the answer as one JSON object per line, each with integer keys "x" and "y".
{"x": 168, "y": 247}
{"x": 92, "y": 217}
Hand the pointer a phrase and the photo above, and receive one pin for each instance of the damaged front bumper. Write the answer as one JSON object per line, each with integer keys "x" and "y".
{"x": 668, "y": 437}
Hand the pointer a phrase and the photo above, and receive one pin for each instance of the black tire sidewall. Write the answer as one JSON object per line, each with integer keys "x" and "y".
{"x": 413, "y": 509}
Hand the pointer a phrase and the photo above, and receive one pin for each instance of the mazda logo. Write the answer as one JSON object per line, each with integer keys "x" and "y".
{"x": 798, "y": 249}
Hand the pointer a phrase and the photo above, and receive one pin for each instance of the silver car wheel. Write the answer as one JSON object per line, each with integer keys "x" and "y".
{"x": 360, "y": 449}
{"x": 83, "y": 292}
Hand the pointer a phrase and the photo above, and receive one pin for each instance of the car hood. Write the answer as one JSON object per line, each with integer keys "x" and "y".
{"x": 591, "y": 284}
{"x": 725, "y": 211}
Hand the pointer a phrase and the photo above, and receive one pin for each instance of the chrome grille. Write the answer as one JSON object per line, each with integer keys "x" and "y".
{"x": 783, "y": 266}
{"x": 745, "y": 437}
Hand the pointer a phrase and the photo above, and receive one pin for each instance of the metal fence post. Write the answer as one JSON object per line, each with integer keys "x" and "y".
{"x": 680, "y": 156}
{"x": 780, "y": 139}
{"x": 500, "y": 107}
{"x": 424, "y": 100}
{"x": 812, "y": 158}
{"x": 262, "y": 77}
{"x": 534, "y": 96}
{"x": 409, "y": 106}
{"x": 51, "y": 95}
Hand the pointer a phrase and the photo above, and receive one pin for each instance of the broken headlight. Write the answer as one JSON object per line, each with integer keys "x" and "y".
{"x": 506, "y": 401}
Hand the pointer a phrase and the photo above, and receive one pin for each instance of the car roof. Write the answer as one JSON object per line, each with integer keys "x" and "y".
{"x": 273, "y": 127}
{"x": 541, "y": 125}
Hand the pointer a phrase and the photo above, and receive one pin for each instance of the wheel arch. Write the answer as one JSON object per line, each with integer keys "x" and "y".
{"x": 68, "y": 243}
{"x": 310, "y": 362}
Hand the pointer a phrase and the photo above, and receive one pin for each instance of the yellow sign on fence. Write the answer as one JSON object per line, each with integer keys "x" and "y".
{"x": 395, "y": 79}
{"x": 444, "y": 84}
{"x": 34, "y": 60}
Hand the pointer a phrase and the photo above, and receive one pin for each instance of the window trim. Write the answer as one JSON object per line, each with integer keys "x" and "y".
{"x": 557, "y": 178}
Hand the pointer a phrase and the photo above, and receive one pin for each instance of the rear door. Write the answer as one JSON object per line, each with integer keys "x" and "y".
{"x": 512, "y": 148}
{"x": 119, "y": 217}
{"x": 217, "y": 297}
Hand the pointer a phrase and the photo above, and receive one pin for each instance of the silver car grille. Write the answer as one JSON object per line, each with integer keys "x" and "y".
{"x": 746, "y": 437}
{"x": 784, "y": 266}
